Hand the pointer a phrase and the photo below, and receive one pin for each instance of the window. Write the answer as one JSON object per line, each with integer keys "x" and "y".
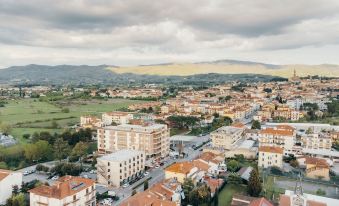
{"x": 108, "y": 164}
{"x": 74, "y": 197}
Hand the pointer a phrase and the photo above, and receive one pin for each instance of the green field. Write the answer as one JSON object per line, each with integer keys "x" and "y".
{"x": 226, "y": 194}
{"x": 27, "y": 116}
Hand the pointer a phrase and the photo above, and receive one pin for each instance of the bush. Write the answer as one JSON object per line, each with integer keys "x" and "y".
{"x": 67, "y": 169}
{"x": 65, "y": 110}
{"x": 42, "y": 168}
{"x": 26, "y": 136}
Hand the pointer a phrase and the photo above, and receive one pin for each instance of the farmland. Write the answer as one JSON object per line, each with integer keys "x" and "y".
{"x": 27, "y": 116}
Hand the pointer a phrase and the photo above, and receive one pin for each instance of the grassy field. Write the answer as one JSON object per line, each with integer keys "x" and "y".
{"x": 226, "y": 194}
{"x": 30, "y": 115}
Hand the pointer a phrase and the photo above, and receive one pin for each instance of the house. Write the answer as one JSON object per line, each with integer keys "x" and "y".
{"x": 317, "y": 168}
{"x": 270, "y": 156}
{"x": 181, "y": 170}
{"x": 67, "y": 190}
{"x": 146, "y": 198}
{"x": 8, "y": 179}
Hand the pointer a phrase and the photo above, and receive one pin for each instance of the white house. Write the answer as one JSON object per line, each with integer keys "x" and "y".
{"x": 8, "y": 179}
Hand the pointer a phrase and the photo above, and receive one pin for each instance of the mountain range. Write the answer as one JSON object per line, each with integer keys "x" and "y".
{"x": 200, "y": 72}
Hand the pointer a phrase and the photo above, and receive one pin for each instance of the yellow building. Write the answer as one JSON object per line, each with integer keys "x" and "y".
{"x": 317, "y": 168}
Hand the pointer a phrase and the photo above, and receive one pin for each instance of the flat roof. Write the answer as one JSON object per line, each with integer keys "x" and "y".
{"x": 328, "y": 201}
{"x": 247, "y": 144}
{"x": 121, "y": 155}
{"x": 184, "y": 138}
{"x": 323, "y": 152}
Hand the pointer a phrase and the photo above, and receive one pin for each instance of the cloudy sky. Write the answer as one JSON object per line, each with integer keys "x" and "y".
{"x": 133, "y": 32}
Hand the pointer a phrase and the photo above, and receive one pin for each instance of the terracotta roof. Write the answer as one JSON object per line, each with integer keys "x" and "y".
{"x": 260, "y": 202}
{"x": 315, "y": 203}
{"x": 286, "y": 127}
{"x": 238, "y": 124}
{"x": 281, "y": 132}
{"x": 201, "y": 165}
{"x": 207, "y": 156}
{"x": 271, "y": 149}
{"x": 284, "y": 200}
{"x": 180, "y": 167}
{"x": 146, "y": 198}
{"x": 63, "y": 187}
{"x": 316, "y": 161}
{"x": 4, "y": 174}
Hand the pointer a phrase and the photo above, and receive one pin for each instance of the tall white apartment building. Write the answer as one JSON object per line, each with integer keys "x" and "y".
{"x": 119, "y": 167}
{"x": 8, "y": 179}
{"x": 153, "y": 139}
{"x": 67, "y": 190}
{"x": 226, "y": 137}
{"x": 317, "y": 141}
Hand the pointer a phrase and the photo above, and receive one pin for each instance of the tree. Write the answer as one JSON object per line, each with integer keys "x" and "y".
{"x": 5, "y": 129}
{"x": 256, "y": 125}
{"x": 38, "y": 151}
{"x": 216, "y": 197}
{"x": 54, "y": 125}
{"x": 61, "y": 149}
{"x": 187, "y": 187}
{"x": 234, "y": 179}
{"x": 134, "y": 192}
{"x": 294, "y": 163}
{"x": 254, "y": 186}
{"x": 200, "y": 195}
{"x": 233, "y": 166}
{"x": 80, "y": 150}
{"x": 146, "y": 185}
{"x": 321, "y": 192}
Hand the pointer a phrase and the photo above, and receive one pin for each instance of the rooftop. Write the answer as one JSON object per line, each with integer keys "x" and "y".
{"x": 271, "y": 149}
{"x": 121, "y": 155}
{"x": 180, "y": 167}
{"x": 65, "y": 186}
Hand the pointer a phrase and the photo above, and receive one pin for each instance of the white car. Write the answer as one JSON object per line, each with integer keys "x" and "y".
{"x": 157, "y": 166}
{"x": 55, "y": 177}
{"x": 125, "y": 185}
{"x": 26, "y": 173}
{"x": 92, "y": 172}
{"x": 146, "y": 173}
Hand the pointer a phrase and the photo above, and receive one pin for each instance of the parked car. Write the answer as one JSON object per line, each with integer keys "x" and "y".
{"x": 146, "y": 173}
{"x": 26, "y": 173}
{"x": 55, "y": 178}
{"x": 125, "y": 185}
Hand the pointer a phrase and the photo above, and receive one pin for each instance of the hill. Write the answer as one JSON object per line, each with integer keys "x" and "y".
{"x": 231, "y": 67}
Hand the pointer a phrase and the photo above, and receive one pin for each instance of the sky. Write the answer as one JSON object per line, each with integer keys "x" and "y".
{"x": 135, "y": 32}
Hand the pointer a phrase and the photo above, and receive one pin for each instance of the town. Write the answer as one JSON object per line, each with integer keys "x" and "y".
{"x": 238, "y": 143}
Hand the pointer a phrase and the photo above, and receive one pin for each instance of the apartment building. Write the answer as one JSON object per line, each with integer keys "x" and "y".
{"x": 67, "y": 190}
{"x": 8, "y": 179}
{"x": 115, "y": 169}
{"x": 270, "y": 156}
{"x": 153, "y": 139}
{"x": 116, "y": 117}
{"x": 283, "y": 136}
{"x": 90, "y": 121}
{"x": 316, "y": 141}
{"x": 226, "y": 137}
